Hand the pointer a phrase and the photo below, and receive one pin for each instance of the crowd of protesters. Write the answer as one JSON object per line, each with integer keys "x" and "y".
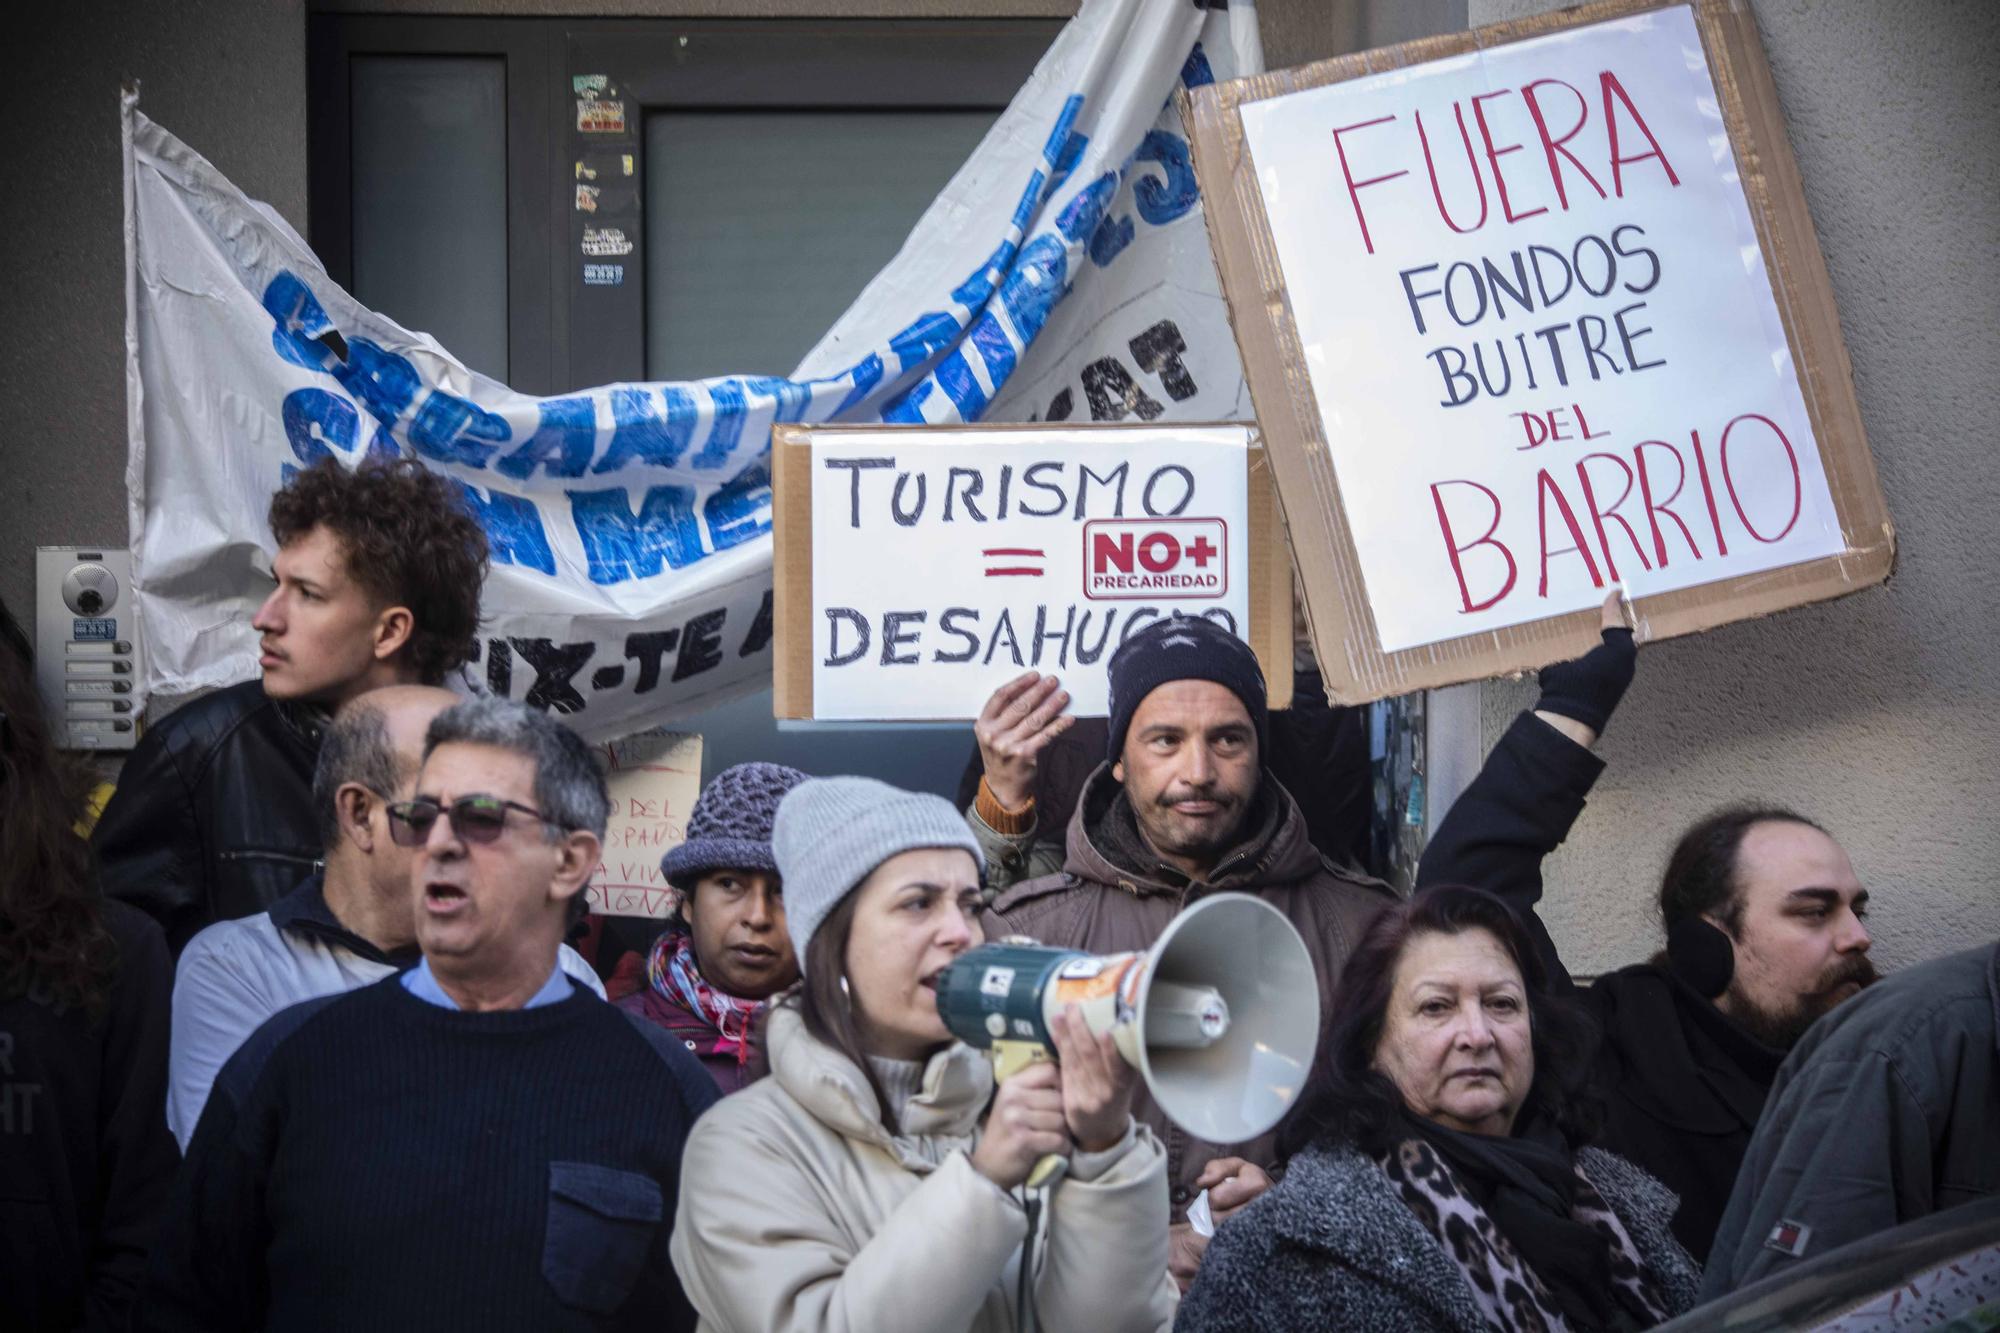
{"x": 321, "y": 938}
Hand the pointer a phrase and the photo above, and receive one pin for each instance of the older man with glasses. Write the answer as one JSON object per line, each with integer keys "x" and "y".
{"x": 476, "y": 1142}
{"x": 349, "y": 923}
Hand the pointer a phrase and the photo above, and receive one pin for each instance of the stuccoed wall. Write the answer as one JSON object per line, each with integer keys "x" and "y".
{"x": 1879, "y": 715}
{"x": 228, "y": 76}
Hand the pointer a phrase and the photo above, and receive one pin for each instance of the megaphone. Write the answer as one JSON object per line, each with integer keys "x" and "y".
{"x": 1220, "y": 1017}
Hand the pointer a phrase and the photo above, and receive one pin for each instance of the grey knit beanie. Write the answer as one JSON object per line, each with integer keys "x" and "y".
{"x": 730, "y": 825}
{"x": 832, "y": 832}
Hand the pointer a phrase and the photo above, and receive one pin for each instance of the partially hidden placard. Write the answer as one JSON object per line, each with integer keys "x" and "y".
{"x": 654, "y": 777}
{"x": 1529, "y": 313}
{"x": 919, "y": 568}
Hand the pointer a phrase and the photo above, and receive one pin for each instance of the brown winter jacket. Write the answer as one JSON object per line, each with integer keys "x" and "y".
{"x": 1114, "y": 896}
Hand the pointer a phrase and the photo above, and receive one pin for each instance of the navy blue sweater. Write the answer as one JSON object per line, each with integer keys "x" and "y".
{"x": 373, "y": 1161}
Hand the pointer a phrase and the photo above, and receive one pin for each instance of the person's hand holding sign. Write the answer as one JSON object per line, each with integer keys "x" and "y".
{"x": 1017, "y": 724}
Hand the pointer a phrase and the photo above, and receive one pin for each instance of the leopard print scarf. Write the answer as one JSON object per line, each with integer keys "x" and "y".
{"x": 1510, "y": 1296}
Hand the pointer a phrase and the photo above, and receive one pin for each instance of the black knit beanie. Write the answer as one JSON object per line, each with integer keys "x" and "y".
{"x": 1184, "y": 648}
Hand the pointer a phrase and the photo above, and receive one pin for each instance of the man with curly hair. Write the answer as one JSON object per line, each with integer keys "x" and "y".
{"x": 378, "y": 571}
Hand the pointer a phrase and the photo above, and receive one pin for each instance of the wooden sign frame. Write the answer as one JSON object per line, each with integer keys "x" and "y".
{"x": 1271, "y": 621}
{"x": 1344, "y": 635}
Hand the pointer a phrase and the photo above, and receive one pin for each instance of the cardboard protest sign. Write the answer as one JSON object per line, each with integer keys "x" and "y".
{"x": 654, "y": 778}
{"x": 918, "y": 570}
{"x": 1532, "y": 312}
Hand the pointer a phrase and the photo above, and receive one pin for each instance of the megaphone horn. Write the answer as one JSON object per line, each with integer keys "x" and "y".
{"x": 1220, "y": 1017}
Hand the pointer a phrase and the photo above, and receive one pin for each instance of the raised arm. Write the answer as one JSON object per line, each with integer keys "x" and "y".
{"x": 1533, "y": 786}
{"x": 1016, "y": 725}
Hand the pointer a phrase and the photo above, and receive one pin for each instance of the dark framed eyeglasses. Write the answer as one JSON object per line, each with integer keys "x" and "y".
{"x": 476, "y": 818}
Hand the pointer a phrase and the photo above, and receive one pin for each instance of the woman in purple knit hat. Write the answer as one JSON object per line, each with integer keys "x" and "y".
{"x": 726, "y": 951}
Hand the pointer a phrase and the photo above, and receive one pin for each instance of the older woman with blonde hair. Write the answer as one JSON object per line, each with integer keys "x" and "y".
{"x": 1441, "y": 1180}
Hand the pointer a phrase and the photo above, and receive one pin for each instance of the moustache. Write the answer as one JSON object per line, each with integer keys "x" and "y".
{"x": 1857, "y": 969}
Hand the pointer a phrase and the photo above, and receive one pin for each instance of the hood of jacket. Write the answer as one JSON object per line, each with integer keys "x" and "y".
{"x": 1105, "y": 846}
{"x": 941, "y": 1119}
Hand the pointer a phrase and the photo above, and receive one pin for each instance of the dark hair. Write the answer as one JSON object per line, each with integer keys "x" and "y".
{"x": 1349, "y": 1100}
{"x": 407, "y": 537}
{"x": 1700, "y": 879}
{"x": 53, "y": 940}
{"x": 824, "y": 1004}
{"x": 354, "y": 748}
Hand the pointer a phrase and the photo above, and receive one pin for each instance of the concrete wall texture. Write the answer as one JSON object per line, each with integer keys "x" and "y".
{"x": 1880, "y": 714}
{"x": 228, "y": 76}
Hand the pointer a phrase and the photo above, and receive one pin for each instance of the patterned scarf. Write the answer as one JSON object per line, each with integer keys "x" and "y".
{"x": 671, "y": 971}
{"x": 1514, "y": 1295}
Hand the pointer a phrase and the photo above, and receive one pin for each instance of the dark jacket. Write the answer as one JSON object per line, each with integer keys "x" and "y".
{"x": 1114, "y": 898}
{"x": 731, "y": 1070}
{"x": 1683, "y": 1085}
{"x": 1333, "y": 1247}
{"x": 213, "y": 818}
{"x": 86, "y": 1162}
{"x": 1886, "y": 1111}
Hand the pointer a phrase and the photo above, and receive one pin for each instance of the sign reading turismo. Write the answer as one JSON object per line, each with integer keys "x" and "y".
{"x": 920, "y": 569}
{"x": 1540, "y": 333}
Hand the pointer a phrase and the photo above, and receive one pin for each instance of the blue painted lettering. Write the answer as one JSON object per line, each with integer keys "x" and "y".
{"x": 301, "y": 319}
{"x": 645, "y": 432}
{"x": 741, "y": 510}
{"x": 451, "y": 430}
{"x": 314, "y": 420}
{"x": 563, "y": 442}
{"x": 726, "y": 426}
{"x": 621, "y": 545}
{"x": 513, "y": 526}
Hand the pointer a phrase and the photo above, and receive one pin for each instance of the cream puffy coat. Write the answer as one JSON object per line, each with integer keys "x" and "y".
{"x": 799, "y": 1211}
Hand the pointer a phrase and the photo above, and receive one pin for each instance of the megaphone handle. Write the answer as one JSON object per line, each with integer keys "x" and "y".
{"x": 1010, "y": 1058}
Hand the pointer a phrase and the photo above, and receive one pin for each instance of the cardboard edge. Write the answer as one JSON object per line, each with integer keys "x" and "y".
{"x": 1270, "y": 578}
{"x": 791, "y": 571}
{"x": 1355, "y": 669}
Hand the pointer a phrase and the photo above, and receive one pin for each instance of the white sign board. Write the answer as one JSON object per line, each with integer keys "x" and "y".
{"x": 946, "y": 563}
{"x": 653, "y": 778}
{"x": 1539, "y": 329}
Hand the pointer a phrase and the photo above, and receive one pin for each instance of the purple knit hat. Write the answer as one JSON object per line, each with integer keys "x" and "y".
{"x": 730, "y": 828}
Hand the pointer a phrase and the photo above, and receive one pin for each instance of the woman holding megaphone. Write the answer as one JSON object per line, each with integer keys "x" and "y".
{"x": 876, "y": 1180}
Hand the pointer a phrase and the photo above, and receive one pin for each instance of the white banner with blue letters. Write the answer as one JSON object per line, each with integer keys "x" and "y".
{"x": 1063, "y": 274}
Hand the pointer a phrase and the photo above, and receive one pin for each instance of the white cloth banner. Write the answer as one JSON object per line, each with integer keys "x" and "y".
{"x": 1064, "y": 273}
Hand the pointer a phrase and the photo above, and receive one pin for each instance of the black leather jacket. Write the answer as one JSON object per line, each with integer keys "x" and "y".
{"x": 213, "y": 819}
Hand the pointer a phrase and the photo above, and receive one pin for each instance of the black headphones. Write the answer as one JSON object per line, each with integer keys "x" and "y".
{"x": 1701, "y": 955}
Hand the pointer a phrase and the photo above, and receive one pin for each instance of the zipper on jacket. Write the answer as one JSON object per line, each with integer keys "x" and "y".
{"x": 262, "y": 854}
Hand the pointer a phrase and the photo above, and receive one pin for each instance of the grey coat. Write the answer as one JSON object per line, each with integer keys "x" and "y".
{"x": 1888, "y": 1110}
{"x": 1331, "y": 1247}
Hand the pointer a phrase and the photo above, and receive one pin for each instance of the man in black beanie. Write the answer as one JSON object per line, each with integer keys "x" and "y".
{"x": 1183, "y": 807}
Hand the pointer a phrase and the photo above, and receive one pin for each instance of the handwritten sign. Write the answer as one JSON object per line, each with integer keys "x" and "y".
{"x": 654, "y": 778}
{"x": 943, "y": 563}
{"x": 1529, "y": 320}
